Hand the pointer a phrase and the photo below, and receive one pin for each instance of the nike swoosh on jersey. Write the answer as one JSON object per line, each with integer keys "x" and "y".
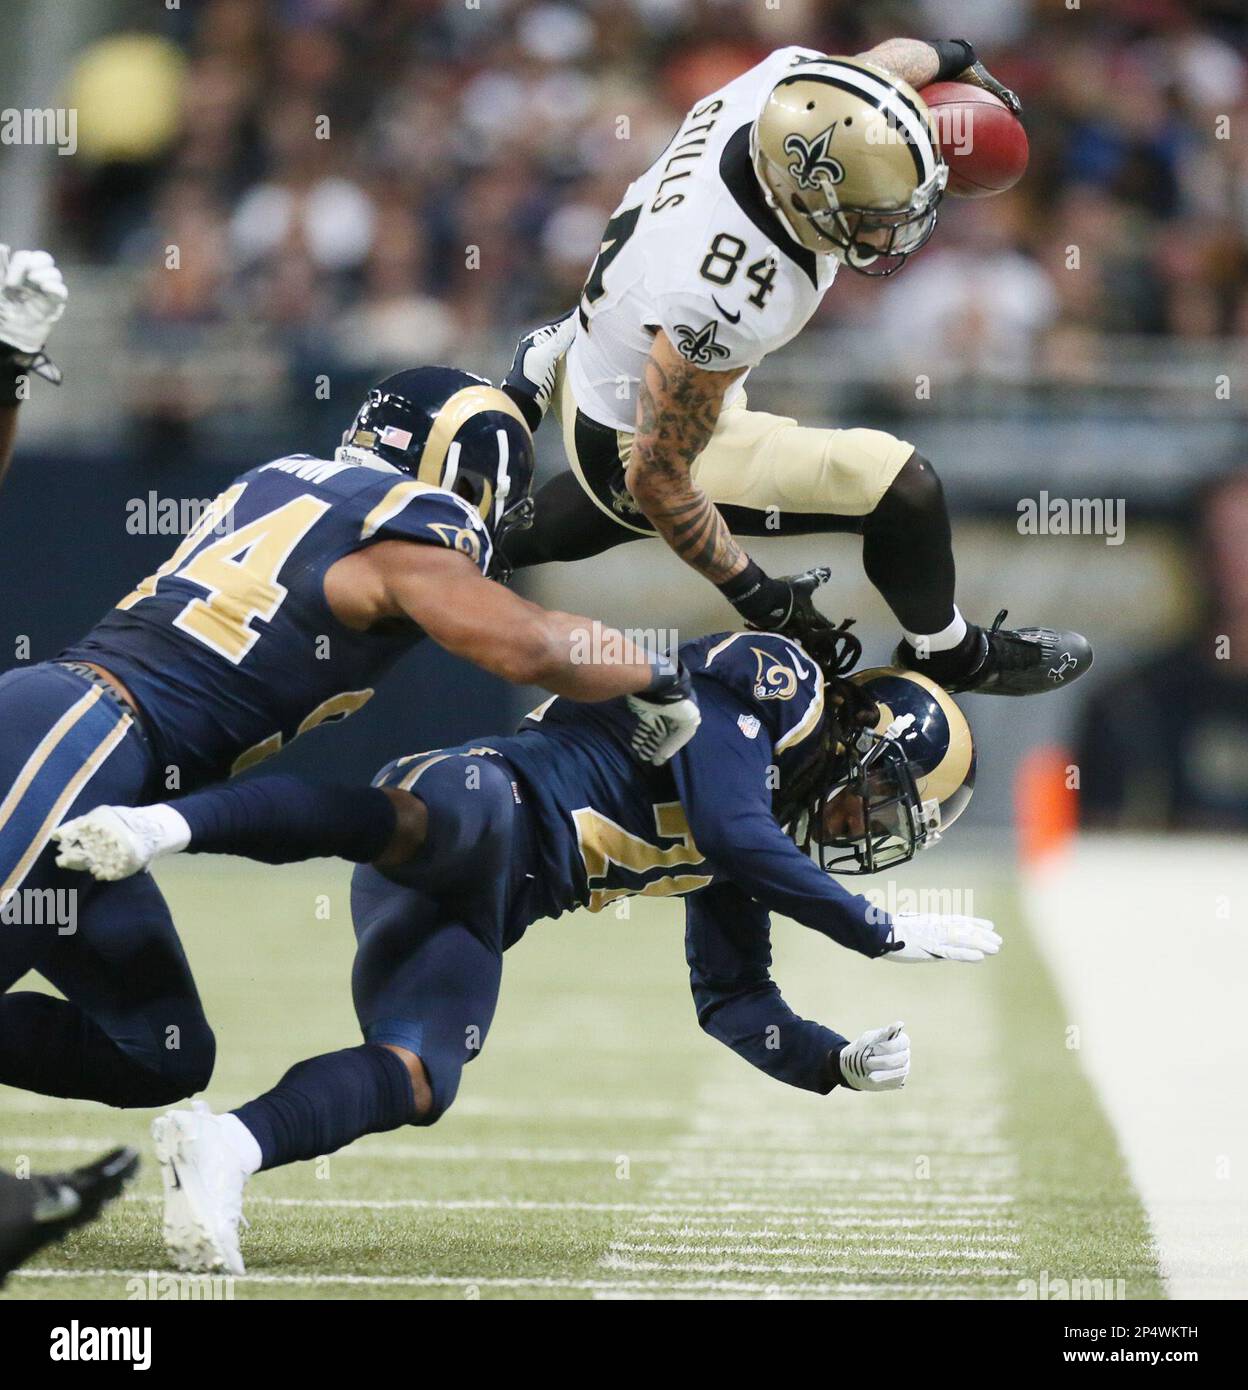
{"x": 732, "y": 318}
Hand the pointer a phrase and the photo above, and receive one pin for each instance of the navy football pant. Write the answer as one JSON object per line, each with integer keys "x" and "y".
{"x": 430, "y": 935}
{"x": 131, "y": 1030}
{"x": 430, "y": 939}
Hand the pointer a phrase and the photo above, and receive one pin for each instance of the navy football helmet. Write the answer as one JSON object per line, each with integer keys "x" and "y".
{"x": 453, "y": 430}
{"x": 896, "y": 768}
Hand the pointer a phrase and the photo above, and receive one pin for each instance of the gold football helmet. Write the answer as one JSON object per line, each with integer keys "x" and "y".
{"x": 849, "y": 160}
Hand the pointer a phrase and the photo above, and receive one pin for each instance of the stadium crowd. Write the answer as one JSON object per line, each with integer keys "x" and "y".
{"x": 378, "y": 180}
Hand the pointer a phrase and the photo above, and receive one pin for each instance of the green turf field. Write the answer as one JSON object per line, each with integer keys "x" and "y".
{"x": 603, "y": 1147}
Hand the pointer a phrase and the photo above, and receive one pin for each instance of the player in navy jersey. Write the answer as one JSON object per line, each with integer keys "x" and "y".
{"x": 303, "y": 583}
{"x": 467, "y": 847}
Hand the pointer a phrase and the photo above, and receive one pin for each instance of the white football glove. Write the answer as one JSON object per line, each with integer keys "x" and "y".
{"x": 666, "y": 718}
{"x": 922, "y": 936}
{"x": 32, "y": 298}
{"x": 537, "y": 359}
{"x": 877, "y": 1061}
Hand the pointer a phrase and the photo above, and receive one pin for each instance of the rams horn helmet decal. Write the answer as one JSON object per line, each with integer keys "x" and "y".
{"x": 895, "y": 787}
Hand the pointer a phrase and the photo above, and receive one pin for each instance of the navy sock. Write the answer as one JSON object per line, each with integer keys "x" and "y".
{"x": 282, "y": 819}
{"x": 326, "y": 1102}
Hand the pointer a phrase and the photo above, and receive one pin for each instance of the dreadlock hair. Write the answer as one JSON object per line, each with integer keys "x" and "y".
{"x": 848, "y": 709}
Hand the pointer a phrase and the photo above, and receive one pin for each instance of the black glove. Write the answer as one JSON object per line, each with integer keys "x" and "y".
{"x": 777, "y": 605}
{"x": 958, "y": 63}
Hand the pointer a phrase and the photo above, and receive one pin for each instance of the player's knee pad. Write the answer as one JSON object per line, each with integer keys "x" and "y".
{"x": 915, "y": 494}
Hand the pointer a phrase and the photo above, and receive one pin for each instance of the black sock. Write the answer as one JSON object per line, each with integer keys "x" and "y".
{"x": 953, "y": 663}
{"x": 566, "y": 526}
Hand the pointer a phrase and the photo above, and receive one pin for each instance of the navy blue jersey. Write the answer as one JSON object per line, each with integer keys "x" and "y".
{"x": 610, "y": 829}
{"x": 601, "y": 827}
{"x": 230, "y": 648}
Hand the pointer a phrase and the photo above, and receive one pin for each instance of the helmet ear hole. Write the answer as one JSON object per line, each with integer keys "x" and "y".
{"x": 471, "y": 487}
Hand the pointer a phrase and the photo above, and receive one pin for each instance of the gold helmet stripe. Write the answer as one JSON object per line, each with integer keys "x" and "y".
{"x": 452, "y": 417}
{"x": 949, "y": 774}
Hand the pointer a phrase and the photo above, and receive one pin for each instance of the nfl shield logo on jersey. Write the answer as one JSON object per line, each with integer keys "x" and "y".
{"x": 748, "y": 725}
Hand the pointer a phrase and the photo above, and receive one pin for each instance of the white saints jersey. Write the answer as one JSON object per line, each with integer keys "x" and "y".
{"x": 693, "y": 249}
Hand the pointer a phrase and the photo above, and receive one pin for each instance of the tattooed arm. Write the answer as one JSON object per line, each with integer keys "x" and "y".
{"x": 920, "y": 63}
{"x": 912, "y": 60}
{"x": 677, "y": 407}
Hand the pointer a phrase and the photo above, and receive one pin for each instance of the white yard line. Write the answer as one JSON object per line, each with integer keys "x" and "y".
{"x": 761, "y": 1155}
{"x": 1147, "y": 942}
{"x": 745, "y": 1164}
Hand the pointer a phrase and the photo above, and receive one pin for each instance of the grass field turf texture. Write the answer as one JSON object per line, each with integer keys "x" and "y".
{"x": 603, "y": 1147}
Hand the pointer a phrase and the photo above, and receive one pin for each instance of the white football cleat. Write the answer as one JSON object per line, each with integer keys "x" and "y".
{"x": 203, "y": 1178}
{"x": 114, "y": 842}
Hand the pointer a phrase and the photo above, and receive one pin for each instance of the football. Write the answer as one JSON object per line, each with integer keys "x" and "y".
{"x": 983, "y": 141}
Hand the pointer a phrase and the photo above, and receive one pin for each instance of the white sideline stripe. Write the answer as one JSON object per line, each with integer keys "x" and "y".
{"x": 611, "y": 1286}
{"x": 834, "y": 1217}
{"x": 1131, "y": 933}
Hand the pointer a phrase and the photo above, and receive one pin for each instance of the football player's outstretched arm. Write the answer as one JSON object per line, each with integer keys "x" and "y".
{"x": 484, "y": 623}
{"x": 728, "y": 946}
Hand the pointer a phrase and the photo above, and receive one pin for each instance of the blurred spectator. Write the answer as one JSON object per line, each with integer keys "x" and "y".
{"x": 1166, "y": 745}
{"x": 483, "y": 148}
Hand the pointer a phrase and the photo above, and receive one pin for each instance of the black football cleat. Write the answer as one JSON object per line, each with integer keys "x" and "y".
{"x": 1022, "y": 661}
{"x": 45, "y": 1207}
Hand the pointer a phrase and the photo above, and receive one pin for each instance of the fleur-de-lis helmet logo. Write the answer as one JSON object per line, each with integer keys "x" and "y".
{"x": 812, "y": 166}
{"x": 698, "y": 344}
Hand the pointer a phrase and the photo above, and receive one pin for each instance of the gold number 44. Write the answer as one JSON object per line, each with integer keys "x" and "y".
{"x": 239, "y": 571}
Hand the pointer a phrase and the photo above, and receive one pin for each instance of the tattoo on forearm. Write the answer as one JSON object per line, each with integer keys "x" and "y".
{"x": 912, "y": 60}
{"x": 676, "y": 418}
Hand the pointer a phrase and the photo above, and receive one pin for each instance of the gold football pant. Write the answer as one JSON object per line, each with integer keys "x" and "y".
{"x": 768, "y": 474}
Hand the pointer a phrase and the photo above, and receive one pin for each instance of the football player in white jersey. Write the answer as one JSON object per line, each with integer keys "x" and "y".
{"x": 716, "y": 256}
